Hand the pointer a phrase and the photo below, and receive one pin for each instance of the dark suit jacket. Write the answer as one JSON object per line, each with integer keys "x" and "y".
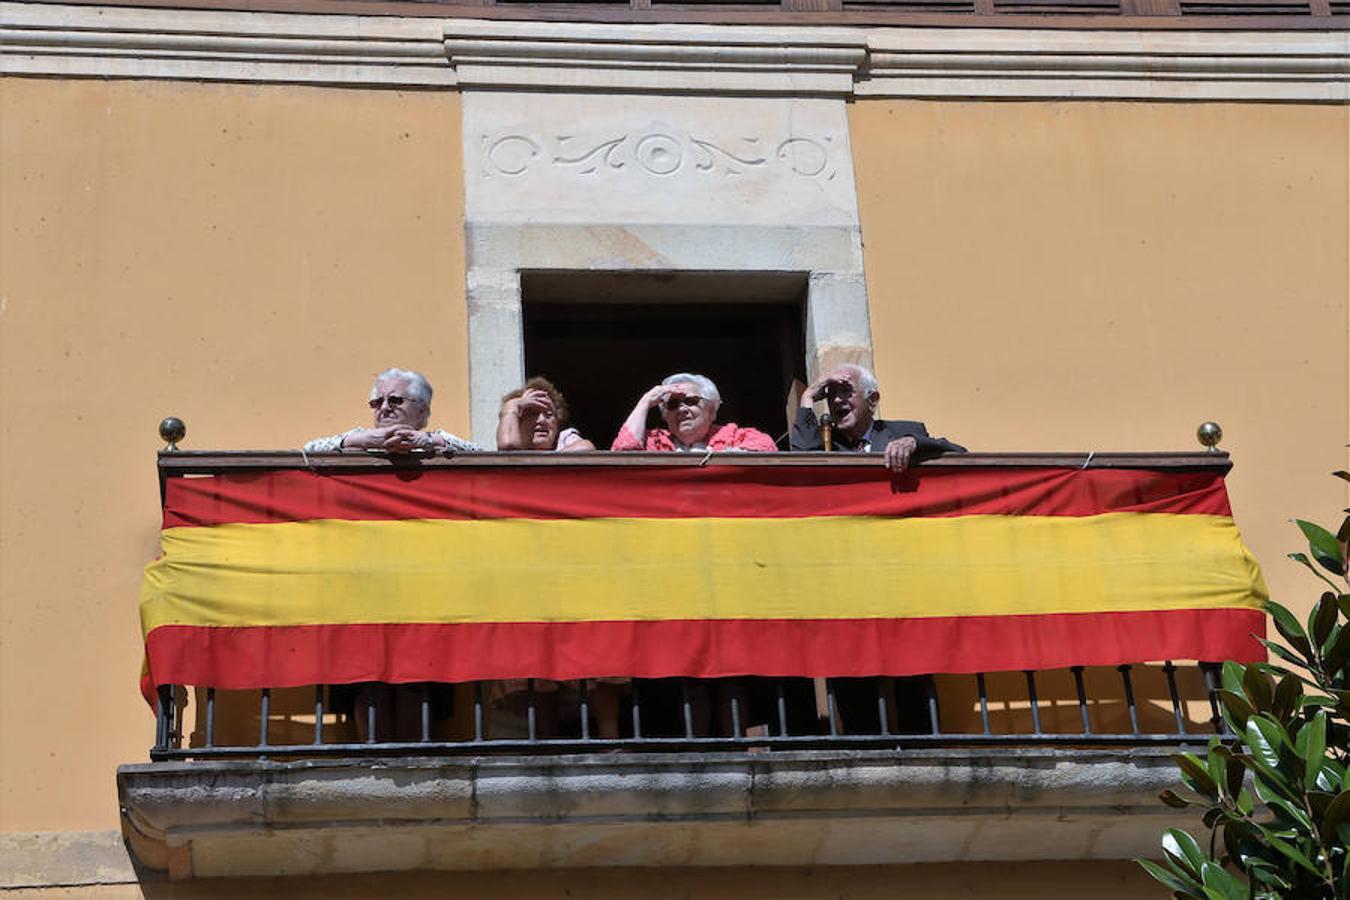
{"x": 806, "y": 436}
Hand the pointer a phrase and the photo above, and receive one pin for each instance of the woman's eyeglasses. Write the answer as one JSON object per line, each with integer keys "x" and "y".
{"x": 393, "y": 400}
{"x": 674, "y": 402}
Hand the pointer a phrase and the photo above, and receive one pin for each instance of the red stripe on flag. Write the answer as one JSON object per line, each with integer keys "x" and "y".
{"x": 255, "y": 657}
{"x": 640, "y": 492}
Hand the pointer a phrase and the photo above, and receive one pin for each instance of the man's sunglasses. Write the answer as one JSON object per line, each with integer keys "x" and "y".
{"x": 675, "y": 402}
{"x": 393, "y": 400}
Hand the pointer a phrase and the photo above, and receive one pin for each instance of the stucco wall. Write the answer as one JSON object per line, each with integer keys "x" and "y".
{"x": 1008, "y": 881}
{"x": 1079, "y": 276}
{"x": 1040, "y": 276}
{"x": 244, "y": 257}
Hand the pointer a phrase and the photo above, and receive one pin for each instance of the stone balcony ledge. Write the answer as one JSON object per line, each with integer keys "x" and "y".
{"x": 839, "y": 807}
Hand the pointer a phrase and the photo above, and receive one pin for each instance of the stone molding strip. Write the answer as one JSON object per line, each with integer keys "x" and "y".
{"x": 659, "y": 58}
{"x": 1262, "y": 66}
{"x": 116, "y": 42}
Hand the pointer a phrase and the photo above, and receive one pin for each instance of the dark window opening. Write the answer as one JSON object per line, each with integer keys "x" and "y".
{"x": 604, "y": 338}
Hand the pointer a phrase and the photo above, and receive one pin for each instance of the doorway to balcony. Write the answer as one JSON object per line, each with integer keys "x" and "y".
{"x": 605, "y": 337}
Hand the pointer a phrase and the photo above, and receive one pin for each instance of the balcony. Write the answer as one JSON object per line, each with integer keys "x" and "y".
{"x": 791, "y": 716}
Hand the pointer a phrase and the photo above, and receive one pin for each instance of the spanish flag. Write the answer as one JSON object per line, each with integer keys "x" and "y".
{"x": 456, "y": 573}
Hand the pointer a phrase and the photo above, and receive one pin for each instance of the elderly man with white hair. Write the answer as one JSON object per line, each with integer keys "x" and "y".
{"x": 400, "y": 403}
{"x": 851, "y": 393}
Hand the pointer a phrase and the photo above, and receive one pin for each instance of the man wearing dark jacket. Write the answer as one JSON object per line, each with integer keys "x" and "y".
{"x": 852, "y": 395}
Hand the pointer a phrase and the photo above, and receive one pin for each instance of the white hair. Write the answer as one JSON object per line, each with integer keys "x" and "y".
{"x": 418, "y": 387}
{"x": 866, "y": 380}
{"x": 706, "y": 389}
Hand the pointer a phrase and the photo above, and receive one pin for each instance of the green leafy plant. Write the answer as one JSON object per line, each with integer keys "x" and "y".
{"x": 1274, "y": 794}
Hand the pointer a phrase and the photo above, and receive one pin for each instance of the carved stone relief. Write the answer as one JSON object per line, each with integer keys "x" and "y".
{"x": 657, "y": 150}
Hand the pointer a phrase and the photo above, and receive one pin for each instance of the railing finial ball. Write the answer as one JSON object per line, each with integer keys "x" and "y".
{"x": 171, "y": 431}
{"x": 1209, "y": 434}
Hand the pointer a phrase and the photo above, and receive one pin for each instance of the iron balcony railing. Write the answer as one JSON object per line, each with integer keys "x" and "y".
{"x": 791, "y": 725}
{"x": 1132, "y": 705}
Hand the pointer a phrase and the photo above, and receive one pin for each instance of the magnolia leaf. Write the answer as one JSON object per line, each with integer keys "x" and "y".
{"x": 1284, "y": 653}
{"x": 1287, "y": 624}
{"x": 1303, "y": 558}
{"x": 1291, "y": 814}
{"x": 1287, "y": 694}
{"x": 1324, "y": 546}
{"x": 1186, "y": 887}
{"x": 1322, "y": 618}
{"x": 1180, "y": 844}
{"x": 1232, "y": 675}
{"x": 1290, "y": 851}
{"x": 1259, "y": 688}
{"x": 1264, "y": 737}
{"x": 1235, "y": 774}
{"x": 1335, "y": 657}
{"x": 1314, "y": 738}
{"x": 1221, "y": 882}
{"x": 1195, "y": 775}
{"x": 1174, "y": 801}
{"x": 1337, "y": 812}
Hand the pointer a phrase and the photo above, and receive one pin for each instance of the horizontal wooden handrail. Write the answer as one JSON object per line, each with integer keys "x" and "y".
{"x": 212, "y": 462}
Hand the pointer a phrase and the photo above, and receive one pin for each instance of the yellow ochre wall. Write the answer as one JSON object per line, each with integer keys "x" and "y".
{"x": 1106, "y": 276}
{"x": 245, "y": 257}
{"x": 1041, "y": 276}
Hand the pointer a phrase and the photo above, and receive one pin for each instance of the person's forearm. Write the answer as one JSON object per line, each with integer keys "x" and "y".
{"x": 637, "y": 422}
{"x": 508, "y": 431}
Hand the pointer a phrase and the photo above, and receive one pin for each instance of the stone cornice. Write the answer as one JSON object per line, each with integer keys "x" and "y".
{"x": 655, "y": 58}
{"x": 117, "y": 42}
{"x": 931, "y": 62}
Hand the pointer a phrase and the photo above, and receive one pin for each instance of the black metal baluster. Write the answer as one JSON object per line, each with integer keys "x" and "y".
{"x": 265, "y": 712}
{"x": 984, "y": 701}
{"x": 478, "y": 711}
{"x": 585, "y": 711}
{"x": 426, "y": 711}
{"x": 686, "y": 708}
{"x": 1171, "y": 672}
{"x": 370, "y": 720}
{"x": 884, "y": 686}
{"x": 165, "y": 703}
{"x": 531, "y": 720}
{"x": 736, "y": 730}
{"x": 1035, "y": 704}
{"x": 318, "y": 714}
{"x": 210, "y": 717}
{"x": 1124, "y": 671}
{"x": 930, "y": 689}
{"x": 782, "y": 709}
{"x": 1212, "y": 682}
{"x": 1082, "y": 698}
{"x": 831, "y": 706}
{"x": 637, "y": 711}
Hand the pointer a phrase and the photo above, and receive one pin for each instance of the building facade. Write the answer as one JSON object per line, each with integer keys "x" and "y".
{"x": 1046, "y": 227}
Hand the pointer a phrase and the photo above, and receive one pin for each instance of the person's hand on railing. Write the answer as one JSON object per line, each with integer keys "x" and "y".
{"x": 898, "y": 453}
{"x": 393, "y": 439}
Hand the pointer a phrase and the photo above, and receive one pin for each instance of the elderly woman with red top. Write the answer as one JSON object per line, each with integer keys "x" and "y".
{"x": 688, "y": 403}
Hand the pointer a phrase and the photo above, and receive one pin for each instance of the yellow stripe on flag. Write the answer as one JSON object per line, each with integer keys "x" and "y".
{"x": 522, "y": 570}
